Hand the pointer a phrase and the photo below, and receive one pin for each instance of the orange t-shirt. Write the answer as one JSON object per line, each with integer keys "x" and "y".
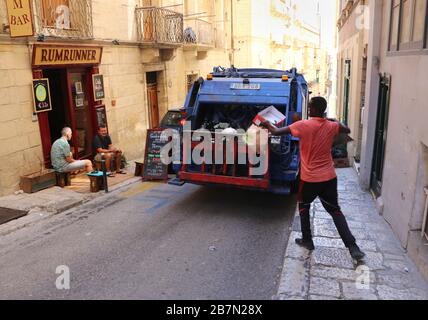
{"x": 316, "y": 140}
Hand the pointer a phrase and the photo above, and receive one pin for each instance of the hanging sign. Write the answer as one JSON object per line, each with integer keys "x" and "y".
{"x": 20, "y": 18}
{"x": 98, "y": 84}
{"x": 41, "y": 95}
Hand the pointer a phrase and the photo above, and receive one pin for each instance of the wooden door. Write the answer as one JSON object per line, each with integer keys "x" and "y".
{"x": 152, "y": 94}
{"x": 381, "y": 135}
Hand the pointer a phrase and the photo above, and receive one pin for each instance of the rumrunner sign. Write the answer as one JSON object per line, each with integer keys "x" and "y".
{"x": 20, "y": 18}
{"x": 66, "y": 55}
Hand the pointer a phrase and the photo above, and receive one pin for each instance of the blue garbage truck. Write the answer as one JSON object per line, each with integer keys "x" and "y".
{"x": 230, "y": 99}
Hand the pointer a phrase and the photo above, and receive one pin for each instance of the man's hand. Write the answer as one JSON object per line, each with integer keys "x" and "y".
{"x": 274, "y": 130}
{"x": 267, "y": 125}
{"x": 342, "y": 127}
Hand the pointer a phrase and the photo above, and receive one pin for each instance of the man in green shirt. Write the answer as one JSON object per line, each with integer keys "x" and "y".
{"x": 62, "y": 158}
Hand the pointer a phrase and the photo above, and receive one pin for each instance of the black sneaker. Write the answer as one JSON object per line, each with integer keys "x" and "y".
{"x": 307, "y": 244}
{"x": 356, "y": 252}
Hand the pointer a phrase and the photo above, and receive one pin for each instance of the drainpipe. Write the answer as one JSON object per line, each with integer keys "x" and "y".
{"x": 232, "y": 35}
{"x": 372, "y": 91}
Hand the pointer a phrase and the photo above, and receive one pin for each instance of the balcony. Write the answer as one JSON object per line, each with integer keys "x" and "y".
{"x": 199, "y": 34}
{"x": 158, "y": 26}
{"x": 63, "y": 18}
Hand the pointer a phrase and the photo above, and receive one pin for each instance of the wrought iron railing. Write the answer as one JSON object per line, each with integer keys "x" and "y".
{"x": 198, "y": 31}
{"x": 63, "y": 18}
{"x": 159, "y": 25}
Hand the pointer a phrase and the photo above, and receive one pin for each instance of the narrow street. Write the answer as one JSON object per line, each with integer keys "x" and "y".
{"x": 154, "y": 242}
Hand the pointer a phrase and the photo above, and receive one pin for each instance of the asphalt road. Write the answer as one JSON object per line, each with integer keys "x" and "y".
{"x": 154, "y": 242}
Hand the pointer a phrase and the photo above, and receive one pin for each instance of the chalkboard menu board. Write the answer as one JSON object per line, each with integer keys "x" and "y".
{"x": 154, "y": 169}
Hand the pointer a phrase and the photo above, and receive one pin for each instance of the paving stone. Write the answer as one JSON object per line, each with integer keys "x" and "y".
{"x": 327, "y": 223}
{"x": 295, "y": 278}
{"x": 398, "y": 280}
{"x": 328, "y": 242}
{"x": 326, "y": 287}
{"x": 396, "y": 265}
{"x": 321, "y": 298}
{"x": 374, "y": 261}
{"x": 294, "y": 250}
{"x": 333, "y": 257}
{"x": 296, "y": 224}
{"x": 322, "y": 231}
{"x": 388, "y": 293}
{"x": 351, "y": 292}
{"x": 285, "y": 297}
{"x": 338, "y": 273}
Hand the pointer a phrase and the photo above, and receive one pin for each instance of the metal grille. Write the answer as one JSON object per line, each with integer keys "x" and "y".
{"x": 203, "y": 30}
{"x": 63, "y": 18}
{"x": 3, "y": 17}
{"x": 158, "y": 25}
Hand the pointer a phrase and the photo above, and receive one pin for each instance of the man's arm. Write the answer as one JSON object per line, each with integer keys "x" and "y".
{"x": 69, "y": 159}
{"x": 342, "y": 127}
{"x": 274, "y": 130}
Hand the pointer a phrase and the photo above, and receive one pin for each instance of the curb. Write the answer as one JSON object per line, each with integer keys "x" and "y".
{"x": 34, "y": 216}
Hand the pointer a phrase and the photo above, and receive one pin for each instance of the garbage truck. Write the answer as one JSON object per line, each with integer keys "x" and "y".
{"x": 229, "y": 101}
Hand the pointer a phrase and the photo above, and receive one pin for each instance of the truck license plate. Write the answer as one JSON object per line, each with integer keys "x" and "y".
{"x": 245, "y": 86}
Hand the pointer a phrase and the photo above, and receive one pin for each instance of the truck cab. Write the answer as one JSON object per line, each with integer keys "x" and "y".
{"x": 230, "y": 99}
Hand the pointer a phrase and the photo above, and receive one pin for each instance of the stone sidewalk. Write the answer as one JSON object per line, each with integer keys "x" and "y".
{"x": 49, "y": 202}
{"x": 329, "y": 273}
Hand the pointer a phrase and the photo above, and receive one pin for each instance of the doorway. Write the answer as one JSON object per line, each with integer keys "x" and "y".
{"x": 346, "y": 92}
{"x": 71, "y": 108}
{"x": 380, "y": 135}
{"x": 152, "y": 97}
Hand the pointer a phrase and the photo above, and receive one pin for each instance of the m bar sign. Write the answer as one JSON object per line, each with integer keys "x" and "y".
{"x": 20, "y": 18}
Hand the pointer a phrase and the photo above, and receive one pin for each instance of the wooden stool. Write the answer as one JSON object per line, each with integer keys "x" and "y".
{"x": 139, "y": 168}
{"x": 96, "y": 181}
{"x": 63, "y": 179}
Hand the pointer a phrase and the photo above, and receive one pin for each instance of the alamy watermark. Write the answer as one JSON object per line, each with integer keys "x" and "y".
{"x": 220, "y": 147}
{"x": 63, "y": 280}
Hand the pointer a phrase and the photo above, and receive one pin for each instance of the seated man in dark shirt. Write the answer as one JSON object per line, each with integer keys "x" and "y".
{"x": 104, "y": 148}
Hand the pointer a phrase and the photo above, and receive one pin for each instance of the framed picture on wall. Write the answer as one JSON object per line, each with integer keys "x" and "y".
{"x": 80, "y": 101}
{"x": 98, "y": 84}
{"x": 79, "y": 88}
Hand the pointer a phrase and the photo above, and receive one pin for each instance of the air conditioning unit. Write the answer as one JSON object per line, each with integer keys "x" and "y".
{"x": 425, "y": 224}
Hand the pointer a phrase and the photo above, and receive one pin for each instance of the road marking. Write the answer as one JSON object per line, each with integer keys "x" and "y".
{"x": 141, "y": 188}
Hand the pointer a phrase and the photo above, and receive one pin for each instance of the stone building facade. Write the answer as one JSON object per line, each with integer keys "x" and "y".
{"x": 146, "y": 63}
{"x": 394, "y": 139}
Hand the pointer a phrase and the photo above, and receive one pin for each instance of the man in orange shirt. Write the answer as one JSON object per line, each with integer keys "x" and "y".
{"x": 318, "y": 175}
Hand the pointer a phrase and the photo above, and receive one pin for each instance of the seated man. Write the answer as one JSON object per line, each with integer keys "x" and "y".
{"x": 104, "y": 148}
{"x": 62, "y": 158}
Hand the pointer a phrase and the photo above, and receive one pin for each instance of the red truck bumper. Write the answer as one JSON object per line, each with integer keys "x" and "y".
{"x": 204, "y": 178}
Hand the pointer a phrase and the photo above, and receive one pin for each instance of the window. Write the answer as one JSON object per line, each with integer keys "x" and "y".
{"x": 395, "y": 17}
{"x": 408, "y": 25}
{"x": 56, "y": 14}
{"x": 63, "y": 18}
